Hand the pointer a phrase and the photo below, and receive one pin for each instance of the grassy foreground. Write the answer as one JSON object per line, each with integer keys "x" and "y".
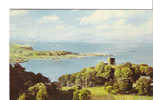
{"x": 99, "y": 93}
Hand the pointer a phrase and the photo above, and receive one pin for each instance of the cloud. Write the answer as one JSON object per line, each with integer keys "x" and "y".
{"x": 98, "y": 26}
{"x": 18, "y": 12}
{"x": 101, "y": 16}
{"x": 49, "y": 18}
{"x": 120, "y": 25}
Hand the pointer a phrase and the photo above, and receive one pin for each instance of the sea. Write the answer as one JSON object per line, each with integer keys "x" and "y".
{"x": 138, "y": 53}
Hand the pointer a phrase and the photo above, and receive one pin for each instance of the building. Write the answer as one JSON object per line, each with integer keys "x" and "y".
{"x": 111, "y": 61}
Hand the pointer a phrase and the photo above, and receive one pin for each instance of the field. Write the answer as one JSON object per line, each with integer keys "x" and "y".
{"x": 99, "y": 93}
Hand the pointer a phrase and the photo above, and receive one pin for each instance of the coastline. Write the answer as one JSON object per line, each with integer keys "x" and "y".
{"x": 67, "y": 56}
{"x": 24, "y": 53}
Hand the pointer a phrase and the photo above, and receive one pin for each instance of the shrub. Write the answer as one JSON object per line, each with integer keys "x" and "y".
{"x": 109, "y": 83}
{"x": 123, "y": 72}
{"x": 115, "y": 91}
{"x": 125, "y": 86}
{"x": 81, "y": 94}
{"x": 22, "y": 97}
{"x": 84, "y": 94}
{"x": 143, "y": 86}
{"x": 100, "y": 66}
{"x": 109, "y": 89}
{"x": 39, "y": 90}
{"x": 76, "y": 95}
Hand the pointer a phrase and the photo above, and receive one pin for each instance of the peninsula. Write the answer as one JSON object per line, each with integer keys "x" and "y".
{"x": 22, "y": 53}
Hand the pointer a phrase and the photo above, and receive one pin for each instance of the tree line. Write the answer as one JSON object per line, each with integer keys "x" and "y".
{"x": 124, "y": 78}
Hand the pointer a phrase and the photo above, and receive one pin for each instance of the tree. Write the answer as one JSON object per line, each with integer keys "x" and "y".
{"x": 81, "y": 94}
{"x": 62, "y": 80}
{"x": 125, "y": 85}
{"x": 146, "y": 70}
{"x": 40, "y": 78}
{"x": 143, "y": 86}
{"x": 137, "y": 73}
{"x": 106, "y": 72}
{"x": 124, "y": 72}
{"x": 109, "y": 89}
{"x": 149, "y": 72}
{"x": 100, "y": 67}
{"x": 84, "y": 94}
{"x": 18, "y": 68}
{"x": 122, "y": 86}
{"x": 20, "y": 80}
{"x": 76, "y": 95}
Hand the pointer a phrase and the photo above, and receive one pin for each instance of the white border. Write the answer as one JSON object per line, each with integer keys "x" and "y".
{"x": 50, "y": 4}
{"x": 83, "y": 4}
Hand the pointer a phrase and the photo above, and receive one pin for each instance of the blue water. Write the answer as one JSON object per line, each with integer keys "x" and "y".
{"x": 135, "y": 53}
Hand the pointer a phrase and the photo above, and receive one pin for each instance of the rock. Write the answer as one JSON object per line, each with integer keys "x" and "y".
{"x": 27, "y": 47}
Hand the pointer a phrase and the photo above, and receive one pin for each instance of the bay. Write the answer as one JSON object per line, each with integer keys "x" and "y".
{"x": 135, "y": 53}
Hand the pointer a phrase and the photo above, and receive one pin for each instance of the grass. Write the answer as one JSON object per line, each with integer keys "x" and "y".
{"x": 66, "y": 88}
{"x": 132, "y": 97}
{"x": 99, "y": 93}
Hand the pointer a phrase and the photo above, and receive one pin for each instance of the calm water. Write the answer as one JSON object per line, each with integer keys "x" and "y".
{"x": 135, "y": 53}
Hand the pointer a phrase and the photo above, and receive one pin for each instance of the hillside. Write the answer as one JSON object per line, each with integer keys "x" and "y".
{"x": 30, "y": 86}
{"x": 115, "y": 82}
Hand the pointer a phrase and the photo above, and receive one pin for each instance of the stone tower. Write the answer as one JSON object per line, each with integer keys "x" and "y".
{"x": 111, "y": 61}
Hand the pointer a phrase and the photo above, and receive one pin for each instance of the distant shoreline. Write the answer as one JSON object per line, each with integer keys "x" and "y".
{"x": 24, "y": 53}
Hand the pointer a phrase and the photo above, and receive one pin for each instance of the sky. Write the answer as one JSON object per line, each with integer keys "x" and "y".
{"x": 92, "y": 26}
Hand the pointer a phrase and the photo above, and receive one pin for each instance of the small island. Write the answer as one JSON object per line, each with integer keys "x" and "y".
{"x": 22, "y": 53}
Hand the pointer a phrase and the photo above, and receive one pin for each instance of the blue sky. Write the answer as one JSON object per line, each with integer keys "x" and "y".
{"x": 93, "y": 26}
